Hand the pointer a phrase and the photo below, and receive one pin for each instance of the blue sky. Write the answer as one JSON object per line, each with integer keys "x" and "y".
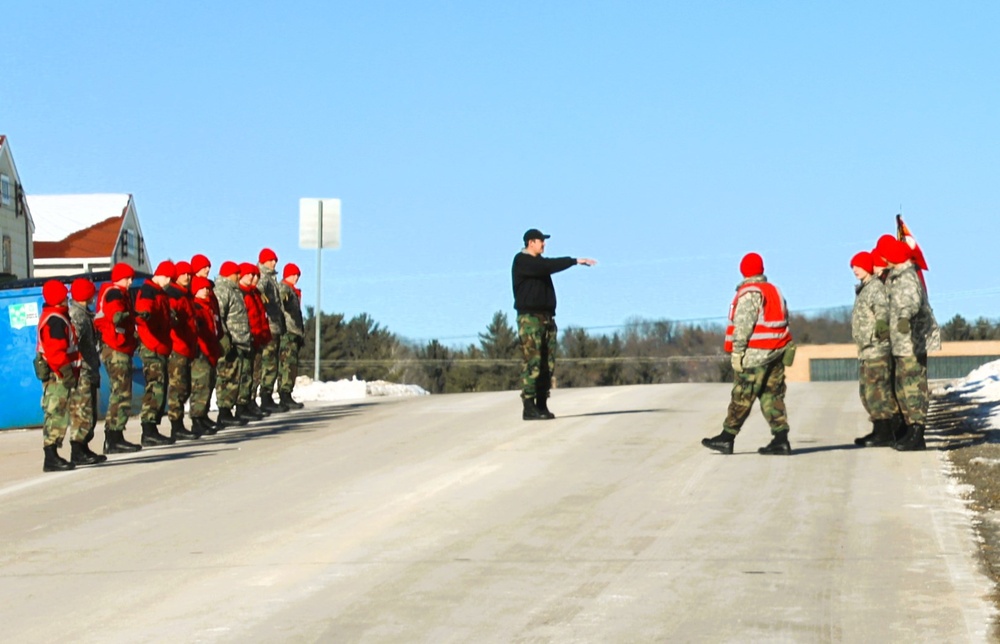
{"x": 664, "y": 139}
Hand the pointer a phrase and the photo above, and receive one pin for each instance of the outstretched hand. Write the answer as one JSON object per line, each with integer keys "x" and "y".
{"x": 586, "y": 261}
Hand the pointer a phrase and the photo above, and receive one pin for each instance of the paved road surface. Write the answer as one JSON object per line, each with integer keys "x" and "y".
{"x": 448, "y": 519}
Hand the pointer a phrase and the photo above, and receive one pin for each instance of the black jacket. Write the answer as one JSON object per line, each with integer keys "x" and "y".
{"x": 533, "y": 289}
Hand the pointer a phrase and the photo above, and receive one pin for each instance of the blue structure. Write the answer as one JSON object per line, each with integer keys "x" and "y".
{"x": 21, "y": 396}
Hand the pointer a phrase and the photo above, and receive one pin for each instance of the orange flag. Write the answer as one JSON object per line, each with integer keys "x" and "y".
{"x": 903, "y": 234}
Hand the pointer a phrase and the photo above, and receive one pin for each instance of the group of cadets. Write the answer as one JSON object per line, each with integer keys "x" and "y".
{"x": 238, "y": 337}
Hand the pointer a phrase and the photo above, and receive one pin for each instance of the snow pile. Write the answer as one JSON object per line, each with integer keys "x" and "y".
{"x": 980, "y": 390}
{"x": 308, "y": 390}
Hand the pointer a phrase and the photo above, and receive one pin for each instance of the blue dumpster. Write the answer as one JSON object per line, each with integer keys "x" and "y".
{"x": 20, "y": 391}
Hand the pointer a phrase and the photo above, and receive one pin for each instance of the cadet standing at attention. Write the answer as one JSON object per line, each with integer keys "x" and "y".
{"x": 291, "y": 341}
{"x": 115, "y": 320}
{"x": 57, "y": 365}
{"x": 83, "y": 401}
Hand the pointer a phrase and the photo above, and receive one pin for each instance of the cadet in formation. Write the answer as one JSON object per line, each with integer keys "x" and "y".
{"x": 184, "y": 349}
{"x": 152, "y": 311}
{"x": 57, "y": 365}
{"x": 260, "y": 334}
{"x": 203, "y": 365}
{"x": 292, "y": 340}
{"x": 115, "y": 321}
{"x": 83, "y": 399}
{"x": 267, "y": 285}
{"x": 760, "y": 344}
{"x": 234, "y": 345}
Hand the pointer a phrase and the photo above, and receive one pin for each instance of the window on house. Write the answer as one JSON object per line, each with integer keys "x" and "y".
{"x": 126, "y": 246}
{"x": 4, "y": 189}
{"x": 7, "y": 260}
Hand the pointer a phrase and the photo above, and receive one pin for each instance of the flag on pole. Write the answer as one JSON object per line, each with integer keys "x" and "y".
{"x": 903, "y": 234}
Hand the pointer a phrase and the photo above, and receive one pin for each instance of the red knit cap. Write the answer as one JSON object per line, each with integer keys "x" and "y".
{"x": 198, "y": 283}
{"x": 165, "y": 269}
{"x": 121, "y": 271}
{"x": 199, "y": 262}
{"x": 863, "y": 260}
{"x": 246, "y": 268}
{"x": 751, "y": 265}
{"x": 181, "y": 268}
{"x": 228, "y": 268}
{"x": 877, "y": 260}
{"x": 290, "y": 269}
{"x": 54, "y": 292}
{"x": 82, "y": 289}
{"x": 896, "y": 252}
{"x": 267, "y": 255}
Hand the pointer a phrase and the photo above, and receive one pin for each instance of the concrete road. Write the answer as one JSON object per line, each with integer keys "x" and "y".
{"x": 448, "y": 519}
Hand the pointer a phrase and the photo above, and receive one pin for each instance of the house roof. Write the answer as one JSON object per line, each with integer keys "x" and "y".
{"x": 57, "y": 217}
{"x": 97, "y": 241}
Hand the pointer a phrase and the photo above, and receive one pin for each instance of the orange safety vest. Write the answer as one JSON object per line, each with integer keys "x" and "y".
{"x": 771, "y": 330}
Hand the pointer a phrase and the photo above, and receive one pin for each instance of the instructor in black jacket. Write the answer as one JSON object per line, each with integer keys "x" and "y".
{"x": 535, "y": 301}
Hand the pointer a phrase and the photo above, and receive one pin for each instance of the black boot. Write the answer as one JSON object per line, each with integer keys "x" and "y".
{"x": 721, "y": 443}
{"x": 248, "y": 412}
{"x": 862, "y": 441}
{"x": 226, "y": 419}
{"x": 267, "y": 404}
{"x": 257, "y": 409}
{"x": 883, "y": 435}
{"x": 541, "y": 402}
{"x": 288, "y": 401}
{"x": 115, "y": 443}
{"x": 151, "y": 437}
{"x": 79, "y": 454}
{"x": 201, "y": 427}
{"x": 898, "y": 427}
{"x": 179, "y": 432}
{"x": 91, "y": 453}
{"x": 531, "y": 412}
{"x": 913, "y": 441}
{"x": 54, "y": 462}
{"x": 209, "y": 422}
{"x": 778, "y": 445}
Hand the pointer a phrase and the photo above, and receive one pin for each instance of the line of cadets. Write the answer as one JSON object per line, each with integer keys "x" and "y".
{"x": 237, "y": 336}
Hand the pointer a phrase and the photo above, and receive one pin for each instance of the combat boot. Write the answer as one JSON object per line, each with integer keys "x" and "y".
{"x": 115, "y": 443}
{"x": 267, "y": 404}
{"x": 778, "y": 445}
{"x": 862, "y": 441}
{"x": 883, "y": 435}
{"x": 247, "y": 412}
{"x": 913, "y": 441}
{"x": 226, "y": 419}
{"x": 200, "y": 426}
{"x": 541, "y": 402}
{"x": 721, "y": 443}
{"x": 257, "y": 409}
{"x": 54, "y": 462}
{"x": 151, "y": 437}
{"x": 86, "y": 448}
{"x": 288, "y": 401}
{"x": 79, "y": 455}
{"x": 178, "y": 432}
{"x": 898, "y": 427}
{"x": 531, "y": 412}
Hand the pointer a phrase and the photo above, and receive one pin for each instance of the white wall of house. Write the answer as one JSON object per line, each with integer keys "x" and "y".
{"x": 15, "y": 221}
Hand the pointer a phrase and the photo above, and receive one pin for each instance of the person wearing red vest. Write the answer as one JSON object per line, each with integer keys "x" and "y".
{"x": 115, "y": 321}
{"x": 83, "y": 400}
{"x": 152, "y": 311}
{"x": 184, "y": 349}
{"x": 57, "y": 347}
{"x": 202, "y": 266}
{"x": 209, "y": 350}
{"x": 260, "y": 332}
{"x": 760, "y": 342}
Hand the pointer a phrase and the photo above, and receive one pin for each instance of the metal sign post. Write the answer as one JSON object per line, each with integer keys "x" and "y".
{"x": 319, "y": 227}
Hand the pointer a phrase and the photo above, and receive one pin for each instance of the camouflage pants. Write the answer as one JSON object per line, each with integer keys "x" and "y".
{"x": 288, "y": 362}
{"x": 119, "y": 368}
{"x": 766, "y": 383}
{"x": 202, "y": 375}
{"x": 227, "y": 384}
{"x": 538, "y": 334}
{"x": 154, "y": 369}
{"x": 247, "y": 362}
{"x": 876, "y": 388}
{"x": 83, "y": 405}
{"x": 55, "y": 405}
{"x": 911, "y": 388}
{"x": 269, "y": 365}
{"x": 179, "y": 385}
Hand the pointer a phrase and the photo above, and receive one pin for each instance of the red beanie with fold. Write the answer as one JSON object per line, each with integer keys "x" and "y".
{"x": 82, "y": 289}
{"x": 228, "y": 268}
{"x": 198, "y": 283}
{"x": 864, "y": 261}
{"x": 121, "y": 271}
{"x": 751, "y": 265}
{"x": 165, "y": 269}
{"x": 54, "y": 292}
{"x": 290, "y": 269}
{"x": 246, "y": 268}
{"x": 181, "y": 268}
{"x": 896, "y": 252}
{"x": 267, "y": 255}
{"x": 199, "y": 262}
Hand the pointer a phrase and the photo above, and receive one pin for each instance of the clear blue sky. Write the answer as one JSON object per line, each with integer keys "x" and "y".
{"x": 665, "y": 139}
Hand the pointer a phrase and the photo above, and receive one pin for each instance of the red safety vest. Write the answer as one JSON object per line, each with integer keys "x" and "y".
{"x": 771, "y": 330}
{"x": 72, "y": 348}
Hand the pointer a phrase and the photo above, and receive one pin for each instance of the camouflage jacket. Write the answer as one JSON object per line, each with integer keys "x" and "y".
{"x": 870, "y": 305}
{"x": 233, "y": 312}
{"x": 744, "y": 320}
{"x": 292, "y": 308}
{"x": 908, "y": 301}
{"x": 268, "y": 287}
{"x": 87, "y": 339}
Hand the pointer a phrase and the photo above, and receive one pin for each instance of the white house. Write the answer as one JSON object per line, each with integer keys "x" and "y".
{"x": 86, "y": 234}
{"x": 16, "y": 224}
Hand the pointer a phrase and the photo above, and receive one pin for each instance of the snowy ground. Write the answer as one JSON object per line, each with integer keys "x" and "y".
{"x": 308, "y": 390}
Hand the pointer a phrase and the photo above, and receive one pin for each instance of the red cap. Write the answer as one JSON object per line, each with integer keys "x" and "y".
{"x": 165, "y": 269}
{"x": 182, "y": 267}
{"x": 54, "y": 292}
{"x": 121, "y": 271}
{"x": 198, "y": 283}
{"x": 290, "y": 269}
{"x": 895, "y": 251}
{"x": 228, "y": 268}
{"x": 267, "y": 255}
{"x": 877, "y": 260}
{"x": 199, "y": 262}
{"x": 752, "y": 264}
{"x": 82, "y": 289}
{"x": 864, "y": 261}
{"x": 246, "y": 268}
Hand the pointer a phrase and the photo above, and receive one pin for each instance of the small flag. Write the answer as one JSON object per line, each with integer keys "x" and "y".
{"x": 903, "y": 234}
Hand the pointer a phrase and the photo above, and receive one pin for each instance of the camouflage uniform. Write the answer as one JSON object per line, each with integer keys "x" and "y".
{"x": 83, "y": 399}
{"x": 291, "y": 341}
{"x": 267, "y": 373}
{"x": 870, "y": 331}
{"x": 57, "y": 341}
{"x": 763, "y": 375}
{"x": 538, "y": 335}
{"x": 908, "y": 307}
{"x": 236, "y": 341}
{"x": 55, "y": 405}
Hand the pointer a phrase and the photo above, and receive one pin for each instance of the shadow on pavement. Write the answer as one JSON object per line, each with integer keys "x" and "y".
{"x": 956, "y": 420}
{"x": 613, "y": 413}
{"x": 152, "y": 456}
